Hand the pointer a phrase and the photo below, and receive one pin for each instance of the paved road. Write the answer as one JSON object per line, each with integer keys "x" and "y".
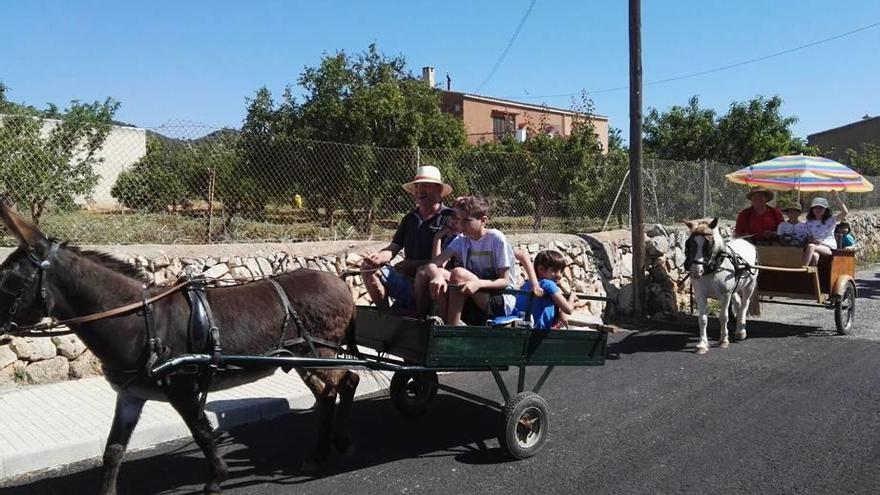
{"x": 794, "y": 409}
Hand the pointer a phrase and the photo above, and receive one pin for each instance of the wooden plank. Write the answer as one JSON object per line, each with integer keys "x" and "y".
{"x": 780, "y": 256}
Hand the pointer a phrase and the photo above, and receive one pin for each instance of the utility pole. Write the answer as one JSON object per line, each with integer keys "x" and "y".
{"x": 637, "y": 217}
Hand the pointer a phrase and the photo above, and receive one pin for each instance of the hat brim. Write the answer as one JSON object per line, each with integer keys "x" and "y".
{"x": 765, "y": 192}
{"x": 410, "y": 187}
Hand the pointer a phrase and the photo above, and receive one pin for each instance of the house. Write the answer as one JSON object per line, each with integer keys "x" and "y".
{"x": 488, "y": 119}
{"x": 850, "y": 136}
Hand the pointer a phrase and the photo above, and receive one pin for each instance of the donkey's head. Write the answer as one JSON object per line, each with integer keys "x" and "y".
{"x": 701, "y": 246}
{"x": 24, "y": 297}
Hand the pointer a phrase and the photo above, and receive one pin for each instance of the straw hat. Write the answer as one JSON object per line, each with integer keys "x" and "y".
{"x": 766, "y": 192}
{"x": 427, "y": 174}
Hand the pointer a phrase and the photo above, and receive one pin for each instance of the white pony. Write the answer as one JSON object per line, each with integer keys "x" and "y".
{"x": 724, "y": 271}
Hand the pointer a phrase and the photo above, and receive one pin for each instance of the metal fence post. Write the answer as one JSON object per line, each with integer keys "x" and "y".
{"x": 418, "y": 157}
{"x": 705, "y": 164}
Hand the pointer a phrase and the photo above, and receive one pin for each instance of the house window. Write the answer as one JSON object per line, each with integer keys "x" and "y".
{"x": 502, "y": 125}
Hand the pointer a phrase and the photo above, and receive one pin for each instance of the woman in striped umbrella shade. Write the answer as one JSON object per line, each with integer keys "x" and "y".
{"x": 821, "y": 222}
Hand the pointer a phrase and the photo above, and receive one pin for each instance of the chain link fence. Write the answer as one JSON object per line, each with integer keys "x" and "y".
{"x": 187, "y": 183}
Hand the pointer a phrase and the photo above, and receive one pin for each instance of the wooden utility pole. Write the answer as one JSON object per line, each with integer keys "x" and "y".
{"x": 637, "y": 217}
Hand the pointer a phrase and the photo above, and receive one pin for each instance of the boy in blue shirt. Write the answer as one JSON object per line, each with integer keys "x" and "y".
{"x": 548, "y": 265}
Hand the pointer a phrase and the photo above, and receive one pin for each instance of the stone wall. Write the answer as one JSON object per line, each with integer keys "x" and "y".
{"x": 598, "y": 264}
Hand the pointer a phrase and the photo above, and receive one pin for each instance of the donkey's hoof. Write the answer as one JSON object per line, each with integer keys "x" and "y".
{"x": 724, "y": 345}
{"x": 702, "y": 350}
{"x": 740, "y": 336}
{"x": 212, "y": 489}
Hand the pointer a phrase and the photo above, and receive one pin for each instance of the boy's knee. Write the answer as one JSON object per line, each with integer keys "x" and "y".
{"x": 459, "y": 274}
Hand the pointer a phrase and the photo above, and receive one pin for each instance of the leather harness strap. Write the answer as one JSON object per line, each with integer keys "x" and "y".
{"x": 291, "y": 314}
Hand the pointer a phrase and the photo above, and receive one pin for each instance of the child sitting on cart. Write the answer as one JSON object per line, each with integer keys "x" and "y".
{"x": 543, "y": 310}
{"x": 843, "y": 236}
{"x": 821, "y": 222}
{"x": 486, "y": 266}
{"x": 427, "y": 273}
{"x": 792, "y": 232}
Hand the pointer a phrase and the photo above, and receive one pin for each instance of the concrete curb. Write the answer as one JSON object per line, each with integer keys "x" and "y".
{"x": 46, "y": 427}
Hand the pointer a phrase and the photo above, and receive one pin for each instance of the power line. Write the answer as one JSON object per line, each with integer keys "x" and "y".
{"x": 509, "y": 45}
{"x": 718, "y": 69}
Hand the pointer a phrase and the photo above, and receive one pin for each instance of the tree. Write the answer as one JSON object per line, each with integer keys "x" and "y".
{"x": 547, "y": 174}
{"x": 681, "y": 133}
{"x": 367, "y": 101}
{"x": 865, "y": 159}
{"x": 749, "y": 132}
{"x": 45, "y": 163}
{"x": 755, "y": 130}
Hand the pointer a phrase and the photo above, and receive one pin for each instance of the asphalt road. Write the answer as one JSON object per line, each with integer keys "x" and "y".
{"x": 794, "y": 409}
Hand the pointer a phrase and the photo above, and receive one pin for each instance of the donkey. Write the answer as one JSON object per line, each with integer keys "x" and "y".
{"x": 722, "y": 270}
{"x": 44, "y": 278}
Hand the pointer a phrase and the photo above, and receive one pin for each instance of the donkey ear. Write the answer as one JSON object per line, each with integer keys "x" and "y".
{"x": 689, "y": 224}
{"x": 714, "y": 223}
{"x": 24, "y": 231}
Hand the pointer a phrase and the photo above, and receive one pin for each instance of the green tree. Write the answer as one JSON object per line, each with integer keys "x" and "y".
{"x": 681, "y": 133}
{"x": 367, "y": 100}
{"x": 49, "y": 163}
{"x": 749, "y": 132}
{"x": 865, "y": 159}
{"x": 755, "y": 130}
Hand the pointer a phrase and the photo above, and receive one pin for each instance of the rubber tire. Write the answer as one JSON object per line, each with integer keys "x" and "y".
{"x": 509, "y": 438}
{"x": 412, "y": 391}
{"x": 845, "y": 319}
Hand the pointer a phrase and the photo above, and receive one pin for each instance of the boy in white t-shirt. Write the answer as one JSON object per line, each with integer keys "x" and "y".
{"x": 485, "y": 266}
{"x": 792, "y": 232}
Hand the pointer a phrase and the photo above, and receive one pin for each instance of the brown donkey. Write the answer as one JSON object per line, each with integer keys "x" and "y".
{"x": 43, "y": 278}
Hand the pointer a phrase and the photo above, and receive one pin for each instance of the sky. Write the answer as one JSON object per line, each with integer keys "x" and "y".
{"x": 198, "y": 61}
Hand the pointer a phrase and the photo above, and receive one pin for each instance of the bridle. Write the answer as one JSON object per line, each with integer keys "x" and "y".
{"x": 710, "y": 261}
{"x": 16, "y": 286}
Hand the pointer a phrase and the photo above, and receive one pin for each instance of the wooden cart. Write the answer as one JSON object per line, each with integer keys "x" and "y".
{"x": 831, "y": 284}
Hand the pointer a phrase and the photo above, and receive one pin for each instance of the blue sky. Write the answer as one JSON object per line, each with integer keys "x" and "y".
{"x": 198, "y": 60}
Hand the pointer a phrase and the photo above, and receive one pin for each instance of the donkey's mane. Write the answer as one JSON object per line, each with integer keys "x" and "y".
{"x": 110, "y": 261}
{"x": 702, "y": 228}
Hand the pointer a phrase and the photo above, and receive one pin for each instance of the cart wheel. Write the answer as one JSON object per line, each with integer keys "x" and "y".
{"x": 412, "y": 392}
{"x": 526, "y": 425}
{"x": 845, "y": 309}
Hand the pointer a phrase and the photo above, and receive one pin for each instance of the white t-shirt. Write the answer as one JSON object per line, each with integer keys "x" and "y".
{"x": 485, "y": 257}
{"x": 797, "y": 231}
{"x": 823, "y": 231}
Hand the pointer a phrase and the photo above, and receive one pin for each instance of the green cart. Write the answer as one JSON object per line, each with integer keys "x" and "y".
{"x": 422, "y": 348}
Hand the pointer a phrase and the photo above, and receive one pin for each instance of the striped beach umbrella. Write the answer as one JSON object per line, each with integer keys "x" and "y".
{"x": 801, "y": 173}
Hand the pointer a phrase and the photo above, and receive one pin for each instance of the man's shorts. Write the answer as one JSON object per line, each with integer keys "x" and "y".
{"x": 398, "y": 287}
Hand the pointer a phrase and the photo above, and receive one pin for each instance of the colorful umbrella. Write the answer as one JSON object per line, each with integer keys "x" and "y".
{"x": 801, "y": 173}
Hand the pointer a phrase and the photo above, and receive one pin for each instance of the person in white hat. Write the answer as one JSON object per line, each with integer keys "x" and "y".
{"x": 415, "y": 236}
{"x": 820, "y": 225}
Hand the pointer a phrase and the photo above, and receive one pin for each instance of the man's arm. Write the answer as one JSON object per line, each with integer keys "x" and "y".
{"x": 382, "y": 257}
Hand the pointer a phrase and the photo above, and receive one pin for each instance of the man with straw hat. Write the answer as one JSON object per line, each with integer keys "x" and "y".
{"x": 415, "y": 235}
{"x": 760, "y": 220}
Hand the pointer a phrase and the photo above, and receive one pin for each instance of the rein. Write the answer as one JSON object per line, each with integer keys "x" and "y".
{"x": 42, "y": 329}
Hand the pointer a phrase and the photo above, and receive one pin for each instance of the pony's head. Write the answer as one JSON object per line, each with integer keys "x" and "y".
{"x": 24, "y": 297}
{"x": 701, "y": 246}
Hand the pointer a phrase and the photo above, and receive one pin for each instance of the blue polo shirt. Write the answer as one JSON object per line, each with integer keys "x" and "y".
{"x": 416, "y": 236}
